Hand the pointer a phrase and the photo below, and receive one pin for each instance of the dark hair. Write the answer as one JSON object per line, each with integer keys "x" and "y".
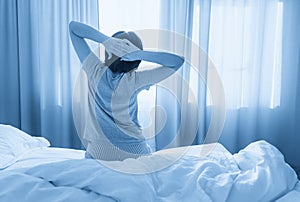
{"x": 114, "y": 63}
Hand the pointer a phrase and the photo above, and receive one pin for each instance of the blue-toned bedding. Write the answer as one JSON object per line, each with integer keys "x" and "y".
{"x": 256, "y": 173}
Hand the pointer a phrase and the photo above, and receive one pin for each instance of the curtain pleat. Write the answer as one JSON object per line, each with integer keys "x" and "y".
{"x": 9, "y": 64}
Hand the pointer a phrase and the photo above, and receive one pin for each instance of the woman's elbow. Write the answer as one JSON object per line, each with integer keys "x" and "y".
{"x": 179, "y": 62}
{"x": 72, "y": 25}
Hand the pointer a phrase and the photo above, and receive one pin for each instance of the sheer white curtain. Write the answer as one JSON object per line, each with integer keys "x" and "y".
{"x": 246, "y": 45}
{"x": 257, "y": 73}
{"x": 255, "y": 47}
{"x": 41, "y": 66}
{"x": 177, "y": 18}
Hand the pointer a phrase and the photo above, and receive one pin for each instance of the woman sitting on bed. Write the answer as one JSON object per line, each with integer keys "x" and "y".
{"x": 113, "y": 89}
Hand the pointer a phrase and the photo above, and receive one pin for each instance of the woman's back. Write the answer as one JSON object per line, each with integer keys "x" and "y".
{"x": 113, "y": 104}
{"x": 116, "y": 106}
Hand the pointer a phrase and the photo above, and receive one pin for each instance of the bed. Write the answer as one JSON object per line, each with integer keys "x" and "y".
{"x": 32, "y": 170}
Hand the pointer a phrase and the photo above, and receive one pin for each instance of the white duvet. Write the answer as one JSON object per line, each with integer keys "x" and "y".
{"x": 257, "y": 173}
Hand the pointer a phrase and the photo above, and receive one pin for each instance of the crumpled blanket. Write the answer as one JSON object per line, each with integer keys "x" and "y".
{"x": 256, "y": 173}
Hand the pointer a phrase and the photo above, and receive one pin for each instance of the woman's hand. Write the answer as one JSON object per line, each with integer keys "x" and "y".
{"x": 118, "y": 47}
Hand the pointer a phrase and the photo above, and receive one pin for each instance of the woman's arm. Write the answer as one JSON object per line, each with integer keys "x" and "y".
{"x": 162, "y": 58}
{"x": 79, "y": 31}
{"x": 170, "y": 64}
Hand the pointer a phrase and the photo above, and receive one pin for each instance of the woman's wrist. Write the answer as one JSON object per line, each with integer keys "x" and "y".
{"x": 105, "y": 38}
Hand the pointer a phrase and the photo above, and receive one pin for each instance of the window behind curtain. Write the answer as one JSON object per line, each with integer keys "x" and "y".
{"x": 245, "y": 42}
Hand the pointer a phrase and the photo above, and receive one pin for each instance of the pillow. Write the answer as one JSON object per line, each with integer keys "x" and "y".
{"x": 14, "y": 142}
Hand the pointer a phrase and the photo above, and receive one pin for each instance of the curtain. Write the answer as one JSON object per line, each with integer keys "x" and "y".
{"x": 39, "y": 66}
{"x": 255, "y": 48}
{"x": 176, "y": 17}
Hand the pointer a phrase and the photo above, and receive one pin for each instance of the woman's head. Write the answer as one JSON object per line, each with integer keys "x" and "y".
{"x": 114, "y": 63}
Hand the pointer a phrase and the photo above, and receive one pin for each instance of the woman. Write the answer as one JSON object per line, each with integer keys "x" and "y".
{"x": 113, "y": 89}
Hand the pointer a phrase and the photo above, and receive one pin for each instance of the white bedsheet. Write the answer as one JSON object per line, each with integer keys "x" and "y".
{"x": 256, "y": 173}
